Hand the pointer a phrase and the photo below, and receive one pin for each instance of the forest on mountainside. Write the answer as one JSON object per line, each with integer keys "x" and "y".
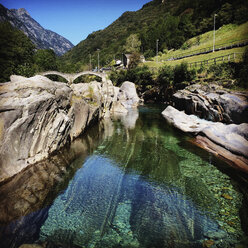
{"x": 19, "y": 56}
{"x": 171, "y": 22}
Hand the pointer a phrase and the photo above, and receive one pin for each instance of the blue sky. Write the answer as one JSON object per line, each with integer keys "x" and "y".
{"x": 75, "y": 19}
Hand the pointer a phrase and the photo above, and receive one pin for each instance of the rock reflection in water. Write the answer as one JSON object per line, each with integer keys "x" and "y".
{"x": 128, "y": 120}
{"x": 22, "y": 197}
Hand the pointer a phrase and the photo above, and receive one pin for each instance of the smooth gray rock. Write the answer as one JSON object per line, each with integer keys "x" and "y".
{"x": 232, "y": 137}
{"x": 39, "y": 116}
{"x": 128, "y": 96}
{"x": 34, "y": 121}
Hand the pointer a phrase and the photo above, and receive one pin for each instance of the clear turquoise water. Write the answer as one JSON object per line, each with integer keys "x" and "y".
{"x": 143, "y": 185}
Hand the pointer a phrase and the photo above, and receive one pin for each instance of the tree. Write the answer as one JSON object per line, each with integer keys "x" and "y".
{"x": 226, "y": 14}
{"x": 186, "y": 26}
{"x": 134, "y": 60}
{"x": 182, "y": 73}
{"x": 165, "y": 76}
{"x": 45, "y": 60}
{"x": 16, "y": 52}
{"x": 133, "y": 44}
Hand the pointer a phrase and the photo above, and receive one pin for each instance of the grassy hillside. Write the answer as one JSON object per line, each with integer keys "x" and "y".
{"x": 227, "y": 34}
{"x": 230, "y": 33}
{"x": 172, "y": 22}
{"x": 239, "y": 51}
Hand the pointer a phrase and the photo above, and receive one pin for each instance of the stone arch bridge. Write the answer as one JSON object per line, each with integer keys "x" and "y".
{"x": 70, "y": 78}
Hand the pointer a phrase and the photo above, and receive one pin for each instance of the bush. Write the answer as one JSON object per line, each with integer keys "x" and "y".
{"x": 141, "y": 76}
{"x": 165, "y": 76}
{"x": 182, "y": 73}
{"x": 118, "y": 77}
{"x": 224, "y": 70}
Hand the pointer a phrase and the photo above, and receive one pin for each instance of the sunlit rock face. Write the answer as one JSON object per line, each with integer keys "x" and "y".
{"x": 39, "y": 116}
{"x": 127, "y": 95}
{"x": 35, "y": 121}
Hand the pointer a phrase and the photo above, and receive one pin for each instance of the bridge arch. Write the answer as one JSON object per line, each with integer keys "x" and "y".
{"x": 101, "y": 75}
{"x": 70, "y": 78}
{"x": 63, "y": 75}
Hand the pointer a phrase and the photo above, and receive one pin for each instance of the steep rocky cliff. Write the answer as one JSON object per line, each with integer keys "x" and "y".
{"x": 39, "y": 116}
{"x": 42, "y": 38}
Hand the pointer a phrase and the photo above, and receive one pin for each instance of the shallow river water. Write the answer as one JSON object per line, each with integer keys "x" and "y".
{"x": 129, "y": 182}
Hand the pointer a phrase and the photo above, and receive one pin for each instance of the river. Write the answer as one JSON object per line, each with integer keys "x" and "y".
{"x": 129, "y": 182}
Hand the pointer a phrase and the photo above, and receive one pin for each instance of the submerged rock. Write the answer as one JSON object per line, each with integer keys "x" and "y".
{"x": 39, "y": 116}
{"x": 228, "y": 142}
{"x": 212, "y": 102}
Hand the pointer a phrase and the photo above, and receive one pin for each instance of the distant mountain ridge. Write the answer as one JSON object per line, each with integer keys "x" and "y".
{"x": 42, "y": 38}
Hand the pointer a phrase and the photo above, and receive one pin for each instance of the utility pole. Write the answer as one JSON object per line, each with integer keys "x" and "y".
{"x": 157, "y": 49}
{"x": 98, "y": 51}
{"x": 214, "y": 33}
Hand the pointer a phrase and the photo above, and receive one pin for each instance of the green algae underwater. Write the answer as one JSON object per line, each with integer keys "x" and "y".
{"x": 132, "y": 181}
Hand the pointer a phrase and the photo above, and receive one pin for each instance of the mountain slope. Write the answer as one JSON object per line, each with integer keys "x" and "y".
{"x": 170, "y": 21}
{"x": 42, "y": 38}
{"x": 111, "y": 40}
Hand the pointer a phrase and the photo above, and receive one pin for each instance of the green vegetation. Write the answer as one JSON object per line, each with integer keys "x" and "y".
{"x": 227, "y": 34}
{"x": 132, "y": 44}
{"x": 238, "y": 71}
{"x": 16, "y": 52}
{"x": 170, "y": 78}
{"x": 238, "y": 51}
{"x": 172, "y": 23}
{"x": 243, "y": 72}
{"x": 141, "y": 76}
{"x": 45, "y": 60}
{"x": 166, "y": 77}
{"x": 18, "y": 55}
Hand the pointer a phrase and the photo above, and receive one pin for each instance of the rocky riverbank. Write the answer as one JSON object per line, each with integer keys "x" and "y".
{"x": 213, "y": 102}
{"x": 39, "y": 116}
{"x": 209, "y": 112}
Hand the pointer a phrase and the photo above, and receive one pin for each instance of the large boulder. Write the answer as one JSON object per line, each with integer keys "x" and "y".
{"x": 225, "y": 141}
{"x": 85, "y": 106}
{"x": 128, "y": 96}
{"x": 39, "y": 116}
{"x": 213, "y": 103}
{"x": 34, "y": 121}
